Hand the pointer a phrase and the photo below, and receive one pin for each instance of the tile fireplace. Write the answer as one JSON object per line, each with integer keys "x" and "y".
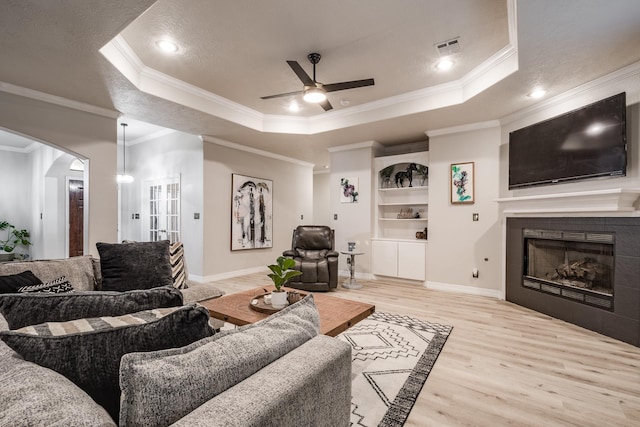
{"x": 582, "y": 270}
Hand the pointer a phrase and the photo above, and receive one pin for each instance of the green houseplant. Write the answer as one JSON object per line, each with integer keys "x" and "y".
{"x": 281, "y": 273}
{"x": 14, "y": 237}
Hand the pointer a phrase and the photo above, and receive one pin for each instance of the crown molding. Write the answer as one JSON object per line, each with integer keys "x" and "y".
{"x": 357, "y": 145}
{"x": 154, "y": 135}
{"x": 233, "y": 145}
{"x": 495, "y": 68}
{"x": 57, "y": 100}
{"x": 463, "y": 128}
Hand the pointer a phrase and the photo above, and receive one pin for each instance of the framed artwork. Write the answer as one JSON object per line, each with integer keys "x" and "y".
{"x": 251, "y": 212}
{"x": 462, "y": 183}
{"x": 348, "y": 190}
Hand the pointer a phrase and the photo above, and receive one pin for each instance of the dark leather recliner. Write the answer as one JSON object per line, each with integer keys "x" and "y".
{"x": 312, "y": 250}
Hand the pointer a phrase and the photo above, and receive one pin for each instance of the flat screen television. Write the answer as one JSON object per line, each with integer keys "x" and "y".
{"x": 585, "y": 143}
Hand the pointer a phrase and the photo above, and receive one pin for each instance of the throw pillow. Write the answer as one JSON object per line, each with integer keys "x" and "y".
{"x": 31, "y": 308}
{"x": 13, "y": 282}
{"x": 88, "y": 351}
{"x": 58, "y": 286}
{"x": 178, "y": 265}
{"x": 163, "y": 386}
{"x": 138, "y": 265}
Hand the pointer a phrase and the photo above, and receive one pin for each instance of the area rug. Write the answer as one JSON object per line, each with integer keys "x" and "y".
{"x": 392, "y": 358}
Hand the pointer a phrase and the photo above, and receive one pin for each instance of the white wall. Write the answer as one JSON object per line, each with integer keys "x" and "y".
{"x": 15, "y": 189}
{"x": 85, "y": 135}
{"x": 322, "y": 199}
{"x": 174, "y": 155}
{"x": 292, "y": 197}
{"x": 457, "y": 244}
{"x": 354, "y": 223}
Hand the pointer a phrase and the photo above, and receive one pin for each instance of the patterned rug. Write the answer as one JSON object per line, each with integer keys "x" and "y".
{"x": 392, "y": 358}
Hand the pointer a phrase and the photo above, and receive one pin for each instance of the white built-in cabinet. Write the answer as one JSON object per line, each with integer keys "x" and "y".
{"x": 401, "y": 212}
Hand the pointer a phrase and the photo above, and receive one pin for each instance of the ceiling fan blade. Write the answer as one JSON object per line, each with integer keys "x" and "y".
{"x": 348, "y": 85}
{"x": 282, "y": 95}
{"x": 302, "y": 75}
{"x": 326, "y": 105}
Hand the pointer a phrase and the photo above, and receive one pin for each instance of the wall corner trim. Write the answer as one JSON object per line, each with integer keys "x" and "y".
{"x": 357, "y": 145}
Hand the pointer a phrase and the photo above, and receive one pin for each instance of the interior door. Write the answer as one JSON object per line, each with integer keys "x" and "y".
{"x": 162, "y": 200}
{"x": 76, "y": 217}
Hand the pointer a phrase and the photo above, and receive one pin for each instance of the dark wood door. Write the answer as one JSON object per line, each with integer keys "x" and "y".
{"x": 76, "y": 218}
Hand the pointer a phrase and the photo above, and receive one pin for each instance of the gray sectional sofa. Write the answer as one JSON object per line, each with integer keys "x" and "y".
{"x": 278, "y": 372}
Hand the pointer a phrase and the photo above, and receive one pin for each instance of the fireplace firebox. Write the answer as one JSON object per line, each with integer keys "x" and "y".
{"x": 583, "y": 270}
{"x": 569, "y": 264}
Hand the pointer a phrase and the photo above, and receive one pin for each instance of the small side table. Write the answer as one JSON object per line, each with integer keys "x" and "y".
{"x": 351, "y": 282}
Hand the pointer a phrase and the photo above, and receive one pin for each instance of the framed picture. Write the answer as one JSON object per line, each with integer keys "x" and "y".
{"x": 349, "y": 190}
{"x": 251, "y": 212}
{"x": 462, "y": 183}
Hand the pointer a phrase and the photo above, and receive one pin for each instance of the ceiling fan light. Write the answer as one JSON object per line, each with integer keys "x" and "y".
{"x": 314, "y": 95}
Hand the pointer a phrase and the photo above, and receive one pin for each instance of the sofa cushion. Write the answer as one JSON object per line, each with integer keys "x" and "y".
{"x": 13, "y": 282}
{"x": 137, "y": 265}
{"x": 32, "y": 308}
{"x": 58, "y": 286}
{"x": 32, "y": 395}
{"x": 88, "y": 351}
{"x": 161, "y": 387}
{"x": 78, "y": 270}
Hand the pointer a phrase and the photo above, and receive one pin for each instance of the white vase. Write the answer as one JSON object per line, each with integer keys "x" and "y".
{"x": 279, "y": 299}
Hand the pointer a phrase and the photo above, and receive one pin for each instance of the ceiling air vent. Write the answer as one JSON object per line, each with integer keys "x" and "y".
{"x": 448, "y": 47}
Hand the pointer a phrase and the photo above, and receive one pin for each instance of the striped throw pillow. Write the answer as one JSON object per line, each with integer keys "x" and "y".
{"x": 78, "y": 326}
{"x": 57, "y": 286}
{"x": 178, "y": 265}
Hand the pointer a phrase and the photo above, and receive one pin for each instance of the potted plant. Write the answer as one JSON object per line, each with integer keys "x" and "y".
{"x": 280, "y": 274}
{"x": 14, "y": 237}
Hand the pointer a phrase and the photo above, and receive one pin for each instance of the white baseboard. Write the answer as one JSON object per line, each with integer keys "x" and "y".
{"x": 228, "y": 275}
{"x": 459, "y": 289}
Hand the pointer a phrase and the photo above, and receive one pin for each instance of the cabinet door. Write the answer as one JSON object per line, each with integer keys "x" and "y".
{"x": 384, "y": 258}
{"x": 412, "y": 259}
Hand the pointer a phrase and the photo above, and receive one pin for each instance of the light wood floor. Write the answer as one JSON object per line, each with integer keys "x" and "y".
{"x": 507, "y": 365}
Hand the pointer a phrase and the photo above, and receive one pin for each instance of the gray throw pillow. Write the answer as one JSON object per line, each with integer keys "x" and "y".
{"x": 159, "y": 388}
{"x": 25, "y": 309}
{"x": 138, "y": 265}
{"x": 88, "y": 351}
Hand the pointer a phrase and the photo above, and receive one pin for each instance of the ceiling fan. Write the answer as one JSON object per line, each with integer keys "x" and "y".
{"x": 315, "y": 91}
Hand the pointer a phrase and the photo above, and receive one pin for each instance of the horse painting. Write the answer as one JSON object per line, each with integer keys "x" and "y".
{"x": 406, "y": 174}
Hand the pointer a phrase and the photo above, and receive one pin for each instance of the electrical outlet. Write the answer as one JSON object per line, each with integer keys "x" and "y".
{"x": 335, "y": 217}
{"x": 476, "y": 217}
{"x": 301, "y": 217}
{"x": 196, "y": 215}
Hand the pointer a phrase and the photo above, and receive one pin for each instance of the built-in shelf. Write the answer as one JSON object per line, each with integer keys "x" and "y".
{"x": 612, "y": 201}
{"x": 403, "y": 204}
{"x": 400, "y": 189}
{"x": 403, "y": 219}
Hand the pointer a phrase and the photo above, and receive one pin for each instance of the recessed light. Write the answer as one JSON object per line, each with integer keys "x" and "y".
{"x": 444, "y": 64}
{"x": 294, "y": 106}
{"x": 537, "y": 93}
{"x": 167, "y": 46}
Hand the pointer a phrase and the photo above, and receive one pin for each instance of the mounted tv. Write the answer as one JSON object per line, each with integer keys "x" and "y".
{"x": 586, "y": 143}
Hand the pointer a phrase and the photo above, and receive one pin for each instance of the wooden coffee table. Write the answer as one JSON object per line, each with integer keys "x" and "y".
{"x": 336, "y": 314}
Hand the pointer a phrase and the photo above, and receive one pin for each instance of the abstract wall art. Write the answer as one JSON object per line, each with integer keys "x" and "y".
{"x": 462, "y": 183}
{"x": 348, "y": 190}
{"x": 251, "y": 212}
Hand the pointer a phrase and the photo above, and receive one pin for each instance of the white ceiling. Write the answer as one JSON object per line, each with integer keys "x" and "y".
{"x": 234, "y": 52}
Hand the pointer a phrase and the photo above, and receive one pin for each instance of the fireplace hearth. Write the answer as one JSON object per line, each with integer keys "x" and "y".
{"x": 582, "y": 270}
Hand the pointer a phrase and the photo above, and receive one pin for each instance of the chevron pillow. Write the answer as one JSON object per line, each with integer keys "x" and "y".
{"x": 178, "y": 265}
